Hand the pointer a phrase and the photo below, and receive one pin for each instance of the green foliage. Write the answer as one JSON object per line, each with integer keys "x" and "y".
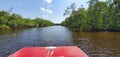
{"x": 16, "y": 21}
{"x": 4, "y": 27}
{"x": 40, "y": 22}
{"x": 100, "y": 16}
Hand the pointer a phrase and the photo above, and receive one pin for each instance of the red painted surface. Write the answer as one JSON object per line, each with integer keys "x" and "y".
{"x": 62, "y": 51}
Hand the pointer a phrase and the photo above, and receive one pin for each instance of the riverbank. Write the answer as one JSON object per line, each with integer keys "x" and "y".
{"x": 12, "y": 21}
{"x": 8, "y": 28}
{"x": 76, "y": 29}
{"x": 99, "y": 16}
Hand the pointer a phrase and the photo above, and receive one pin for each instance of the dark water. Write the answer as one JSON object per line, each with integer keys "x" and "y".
{"x": 95, "y": 44}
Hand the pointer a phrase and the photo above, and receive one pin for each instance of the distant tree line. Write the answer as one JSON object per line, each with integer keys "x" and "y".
{"x": 99, "y": 16}
{"x": 12, "y": 21}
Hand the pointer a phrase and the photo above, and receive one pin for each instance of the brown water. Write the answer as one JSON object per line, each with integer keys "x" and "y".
{"x": 95, "y": 44}
{"x": 98, "y": 44}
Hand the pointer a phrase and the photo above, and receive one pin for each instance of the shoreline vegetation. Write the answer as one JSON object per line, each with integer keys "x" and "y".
{"x": 15, "y": 21}
{"x": 99, "y": 16}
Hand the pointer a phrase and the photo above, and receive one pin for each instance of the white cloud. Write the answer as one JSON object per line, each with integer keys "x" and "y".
{"x": 43, "y": 9}
{"x": 48, "y": 1}
{"x": 46, "y": 10}
{"x": 49, "y": 11}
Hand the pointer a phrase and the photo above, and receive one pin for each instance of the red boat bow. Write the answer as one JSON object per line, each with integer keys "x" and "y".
{"x": 61, "y": 51}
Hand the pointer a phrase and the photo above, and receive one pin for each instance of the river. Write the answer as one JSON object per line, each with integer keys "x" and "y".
{"x": 95, "y": 44}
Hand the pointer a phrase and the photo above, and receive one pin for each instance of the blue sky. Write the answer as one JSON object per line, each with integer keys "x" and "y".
{"x": 48, "y": 9}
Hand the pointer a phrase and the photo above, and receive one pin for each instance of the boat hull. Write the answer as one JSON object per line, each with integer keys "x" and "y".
{"x": 60, "y": 51}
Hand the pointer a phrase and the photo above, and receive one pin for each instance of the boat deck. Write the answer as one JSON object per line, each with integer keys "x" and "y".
{"x": 60, "y": 51}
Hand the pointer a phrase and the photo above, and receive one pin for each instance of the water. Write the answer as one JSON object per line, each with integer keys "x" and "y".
{"x": 98, "y": 44}
{"x": 95, "y": 44}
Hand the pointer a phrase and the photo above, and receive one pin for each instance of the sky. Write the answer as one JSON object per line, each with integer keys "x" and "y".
{"x": 47, "y": 9}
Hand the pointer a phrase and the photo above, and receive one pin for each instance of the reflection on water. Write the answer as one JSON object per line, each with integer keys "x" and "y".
{"x": 11, "y": 41}
{"x": 95, "y": 44}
